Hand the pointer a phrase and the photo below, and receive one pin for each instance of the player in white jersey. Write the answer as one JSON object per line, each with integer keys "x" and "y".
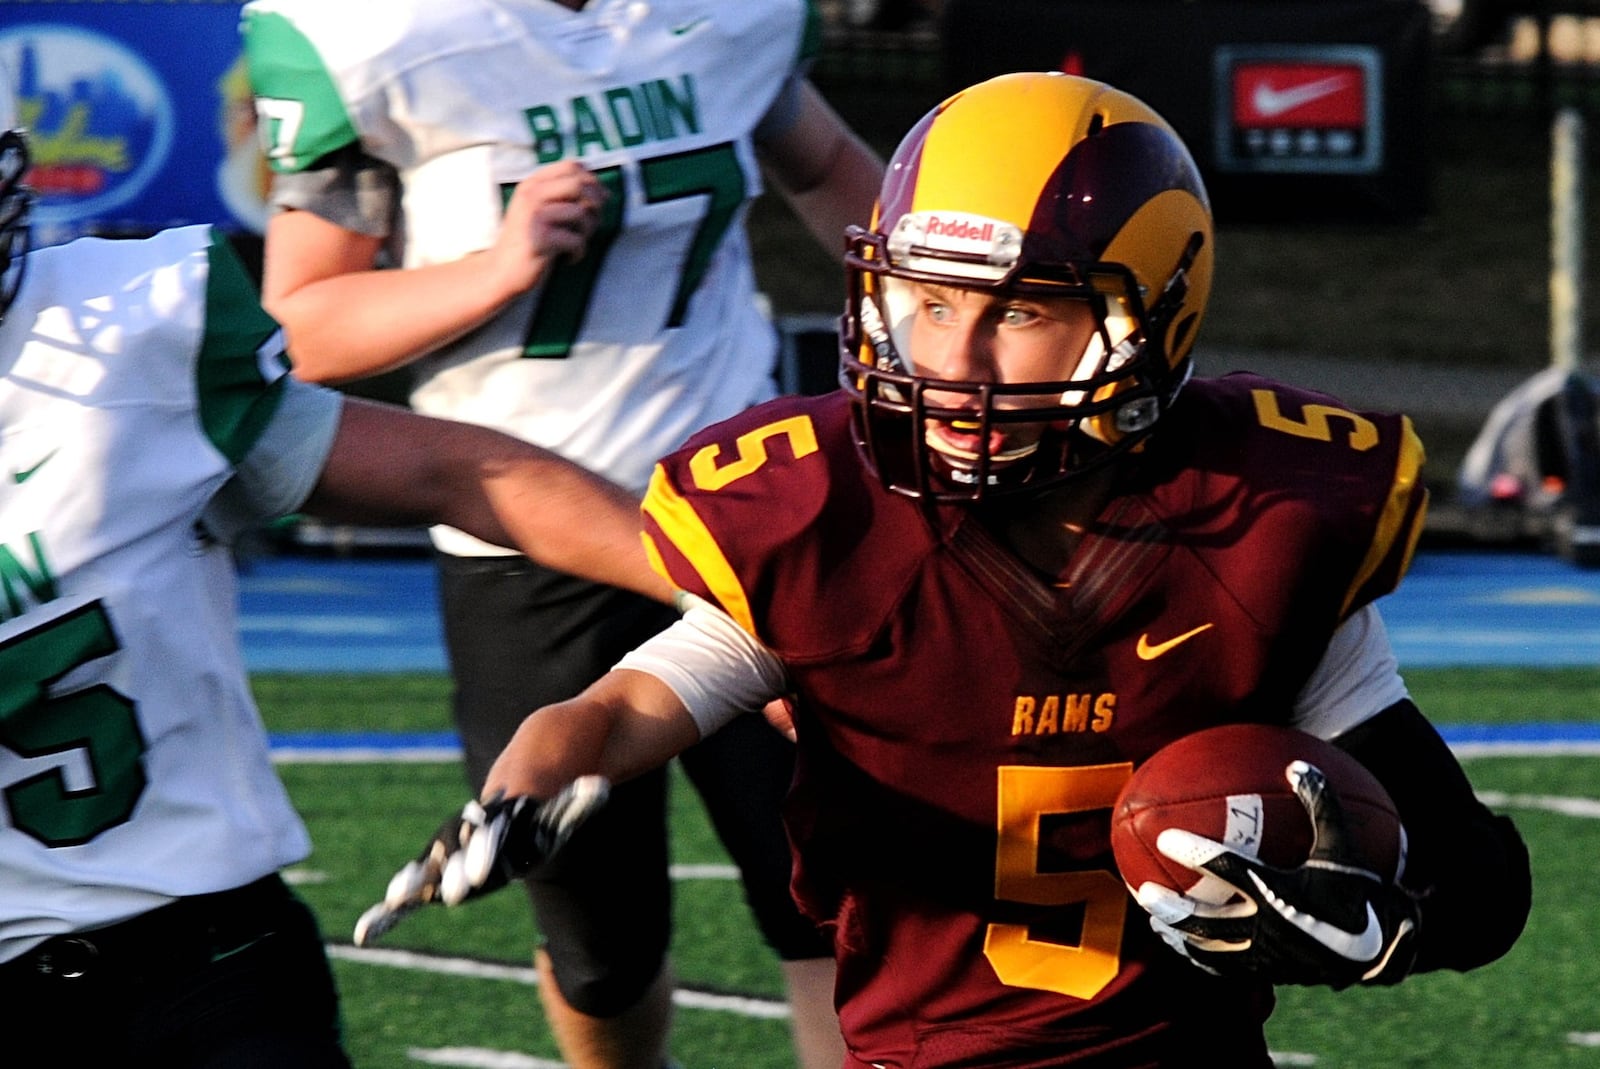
{"x": 146, "y": 419}
{"x": 442, "y": 136}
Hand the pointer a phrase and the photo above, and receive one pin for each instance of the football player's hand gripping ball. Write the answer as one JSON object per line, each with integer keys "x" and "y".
{"x": 1329, "y": 921}
{"x": 481, "y": 849}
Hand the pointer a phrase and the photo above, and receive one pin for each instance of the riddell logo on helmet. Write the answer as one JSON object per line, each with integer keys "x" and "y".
{"x": 957, "y": 231}
{"x": 989, "y": 245}
{"x": 960, "y": 228}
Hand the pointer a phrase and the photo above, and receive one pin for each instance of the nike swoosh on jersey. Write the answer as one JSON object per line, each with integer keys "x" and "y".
{"x": 1147, "y": 652}
{"x": 1271, "y": 102}
{"x": 1360, "y": 946}
{"x": 23, "y": 475}
{"x": 679, "y": 31}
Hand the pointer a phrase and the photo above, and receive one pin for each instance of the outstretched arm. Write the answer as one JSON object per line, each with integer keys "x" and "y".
{"x": 625, "y": 723}
{"x": 631, "y": 720}
{"x": 391, "y": 466}
{"x": 663, "y": 697}
{"x": 543, "y": 787}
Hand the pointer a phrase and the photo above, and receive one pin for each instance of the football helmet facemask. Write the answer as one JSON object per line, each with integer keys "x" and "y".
{"x": 16, "y": 199}
{"x": 1039, "y": 187}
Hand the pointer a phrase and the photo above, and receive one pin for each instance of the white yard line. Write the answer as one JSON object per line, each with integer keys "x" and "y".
{"x": 480, "y": 1058}
{"x": 743, "y": 1005}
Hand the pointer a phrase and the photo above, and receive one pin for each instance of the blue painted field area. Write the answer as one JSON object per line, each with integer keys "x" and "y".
{"x": 1495, "y": 609}
{"x": 303, "y": 614}
{"x": 306, "y": 614}
{"x": 316, "y": 614}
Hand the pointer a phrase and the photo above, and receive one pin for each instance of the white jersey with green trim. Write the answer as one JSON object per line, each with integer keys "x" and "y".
{"x": 655, "y": 333}
{"x": 145, "y": 417}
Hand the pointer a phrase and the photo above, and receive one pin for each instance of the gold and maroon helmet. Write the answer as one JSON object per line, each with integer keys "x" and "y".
{"x": 1035, "y": 185}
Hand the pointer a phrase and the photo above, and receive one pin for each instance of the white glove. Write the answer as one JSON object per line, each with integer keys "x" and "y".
{"x": 481, "y": 849}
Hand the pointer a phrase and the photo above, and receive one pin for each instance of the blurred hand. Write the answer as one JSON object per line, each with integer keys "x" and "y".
{"x": 551, "y": 214}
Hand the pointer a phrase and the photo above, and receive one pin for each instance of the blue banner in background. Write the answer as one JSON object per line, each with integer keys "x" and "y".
{"x": 139, "y": 116}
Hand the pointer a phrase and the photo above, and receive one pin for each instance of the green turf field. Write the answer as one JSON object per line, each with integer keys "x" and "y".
{"x": 462, "y": 997}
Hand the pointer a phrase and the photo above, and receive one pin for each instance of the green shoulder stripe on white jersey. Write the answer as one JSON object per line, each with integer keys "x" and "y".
{"x": 239, "y": 380}
{"x": 299, "y": 109}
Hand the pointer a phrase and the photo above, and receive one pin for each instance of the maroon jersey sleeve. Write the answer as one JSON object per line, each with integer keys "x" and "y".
{"x": 771, "y": 508}
{"x": 1327, "y": 498}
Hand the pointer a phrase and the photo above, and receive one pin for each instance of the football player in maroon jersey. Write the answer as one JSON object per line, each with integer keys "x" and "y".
{"x": 1016, "y": 553}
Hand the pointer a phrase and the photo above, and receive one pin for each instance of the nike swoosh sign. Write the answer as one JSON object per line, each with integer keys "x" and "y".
{"x": 1270, "y": 102}
{"x": 1147, "y": 652}
{"x": 679, "y": 31}
{"x": 20, "y": 477}
{"x": 1362, "y": 946}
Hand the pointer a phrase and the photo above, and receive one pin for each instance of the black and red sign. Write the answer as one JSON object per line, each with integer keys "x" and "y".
{"x": 1299, "y": 109}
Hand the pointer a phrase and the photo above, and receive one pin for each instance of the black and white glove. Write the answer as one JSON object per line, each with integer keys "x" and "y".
{"x": 1329, "y": 921}
{"x": 481, "y": 849}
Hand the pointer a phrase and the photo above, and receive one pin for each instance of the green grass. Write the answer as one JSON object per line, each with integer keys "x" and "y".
{"x": 1516, "y": 1013}
{"x": 367, "y": 819}
{"x": 420, "y": 701}
{"x": 1506, "y": 695}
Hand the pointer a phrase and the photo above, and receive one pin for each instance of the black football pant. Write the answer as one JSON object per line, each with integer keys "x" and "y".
{"x": 234, "y": 980}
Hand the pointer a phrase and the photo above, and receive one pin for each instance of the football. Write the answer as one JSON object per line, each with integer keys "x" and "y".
{"x": 1227, "y": 783}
